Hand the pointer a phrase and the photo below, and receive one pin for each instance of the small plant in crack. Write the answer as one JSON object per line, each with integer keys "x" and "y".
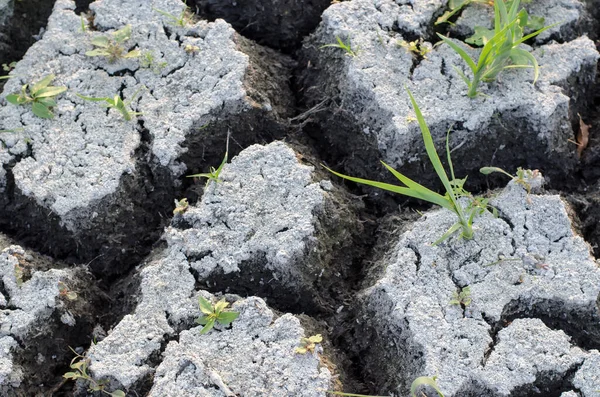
{"x": 80, "y": 366}
{"x": 41, "y": 96}
{"x": 455, "y": 6}
{"x": 417, "y": 47}
{"x": 19, "y": 274}
{"x": 347, "y": 47}
{"x": 522, "y": 177}
{"x": 110, "y": 46}
{"x": 180, "y": 206}
{"x": 117, "y": 103}
{"x": 462, "y": 298}
{"x": 65, "y": 292}
{"x": 212, "y": 314}
{"x": 148, "y": 61}
{"x": 308, "y": 345}
{"x": 502, "y": 49}
{"x": 213, "y": 174}
{"x": 7, "y": 67}
{"x": 425, "y": 381}
{"x": 191, "y": 49}
{"x": 454, "y": 187}
{"x": 185, "y": 17}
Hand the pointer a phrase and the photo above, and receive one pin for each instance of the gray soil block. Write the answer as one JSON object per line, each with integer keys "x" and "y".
{"x": 530, "y": 320}
{"x": 256, "y": 357}
{"x": 44, "y": 309}
{"x": 88, "y": 184}
{"x": 368, "y": 116}
{"x": 270, "y": 227}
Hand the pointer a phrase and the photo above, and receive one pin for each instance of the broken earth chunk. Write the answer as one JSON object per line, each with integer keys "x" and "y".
{"x": 89, "y": 185}
{"x": 526, "y": 264}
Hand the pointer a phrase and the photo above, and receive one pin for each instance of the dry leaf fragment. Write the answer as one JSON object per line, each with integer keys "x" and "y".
{"x": 583, "y": 136}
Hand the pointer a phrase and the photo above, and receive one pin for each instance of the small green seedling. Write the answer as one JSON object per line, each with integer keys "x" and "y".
{"x": 191, "y": 49}
{"x": 417, "y": 47}
{"x": 40, "y": 95}
{"x": 214, "y": 314}
{"x": 148, "y": 61}
{"x": 425, "y": 381}
{"x": 340, "y": 44}
{"x": 181, "y": 206}
{"x": 80, "y": 366}
{"x": 182, "y": 20}
{"x": 523, "y": 175}
{"x": 454, "y": 188}
{"x": 8, "y": 67}
{"x": 64, "y": 291}
{"x": 501, "y": 51}
{"x": 213, "y": 175}
{"x": 111, "y": 47}
{"x": 462, "y": 298}
{"x": 309, "y": 344}
{"x": 117, "y": 103}
{"x": 19, "y": 273}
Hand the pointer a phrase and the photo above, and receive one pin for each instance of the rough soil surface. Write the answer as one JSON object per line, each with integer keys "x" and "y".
{"x": 108, "y": 248}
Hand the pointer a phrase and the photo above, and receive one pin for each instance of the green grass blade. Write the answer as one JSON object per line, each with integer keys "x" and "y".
{"x": 441, "y": 201}
{"x": 89, "y": 98}
{"x": 409, "y": 182}
{"x": 499, "y": 4}
{"x": 448, "y": 154}
{"x": 525, "y": 54}
{"x": 512, "y": 13}
{"x": 430, "y": 148}
{"x": 424, "y": 381}
{"x": 463, "y": 54}
{"x": 453, "y": 229}
{"x": 537, "y": 32}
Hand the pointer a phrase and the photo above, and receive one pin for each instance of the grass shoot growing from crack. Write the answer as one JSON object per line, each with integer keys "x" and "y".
{"x": 79, "y": 365}
{"x": 214, "y": 314}
{"x": 347, "y": 47}
{"x": 182, "y": 20}
{"x": 417, "y": 47}
{"x": 309, "y": 344}
{"x": 110, "y": 46}
{"x": 462, "y": 298}
{"x": 454, "y": 188}
{"x": 117, "y": 103}
{"x": 148, "y": 61}
{"x": 40, "y": 95}
{"x": 425, "y": 381}
{"x": 181, "y": 206}
{"x": 501, "y": 50}
{"x": 213, "y": 174}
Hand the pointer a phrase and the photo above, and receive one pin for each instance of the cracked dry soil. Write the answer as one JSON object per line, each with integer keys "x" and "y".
{"x": 309, "y": 256}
